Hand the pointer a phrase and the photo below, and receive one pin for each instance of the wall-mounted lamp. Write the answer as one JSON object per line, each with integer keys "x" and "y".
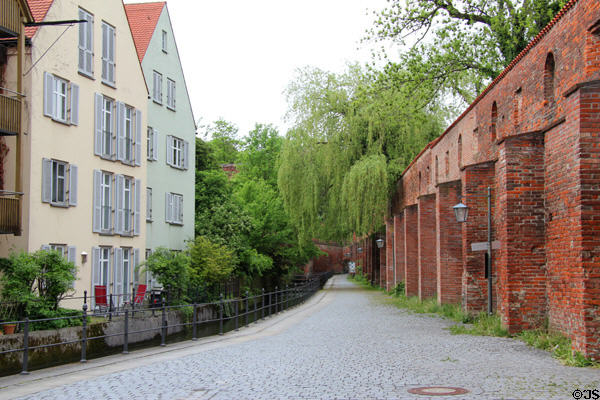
{"x": 379, "y": 243}
{"x": 83, "y": 257}
{"x": 461, "y": 212}
{"x": 360, "y": 250}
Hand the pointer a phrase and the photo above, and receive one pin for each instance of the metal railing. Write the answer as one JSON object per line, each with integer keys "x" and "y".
{"x": 10, "y": 114}
{"x": 230, "y": 314}
{"x": 10, "y": 16}
{"x": 10, "y": 212}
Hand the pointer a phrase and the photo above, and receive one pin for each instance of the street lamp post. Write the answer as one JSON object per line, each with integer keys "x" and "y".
{"x": 461, "y": 213}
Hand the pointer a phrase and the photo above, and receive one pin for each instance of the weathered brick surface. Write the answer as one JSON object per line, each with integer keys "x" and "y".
{"x": 332, "y": 261}
{"x": 449, "y": 263}
{"x": 533, "y": 136}
{"x": 389, "y": 254}
{"x": 399, "y": 247}
{"x": 427, "y": 247}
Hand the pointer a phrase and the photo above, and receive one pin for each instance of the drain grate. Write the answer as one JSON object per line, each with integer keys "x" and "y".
{"x": 438, "y": 391}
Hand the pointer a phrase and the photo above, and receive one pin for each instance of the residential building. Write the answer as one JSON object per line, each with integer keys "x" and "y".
{"x": 83, "y": 149}
{"x": 171, "y": 130}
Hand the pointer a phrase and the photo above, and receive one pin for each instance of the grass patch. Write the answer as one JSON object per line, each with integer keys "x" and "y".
{"x": 484, "y": 324}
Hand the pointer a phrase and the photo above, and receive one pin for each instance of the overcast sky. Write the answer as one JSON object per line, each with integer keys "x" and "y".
{"x": 239, "y": 55}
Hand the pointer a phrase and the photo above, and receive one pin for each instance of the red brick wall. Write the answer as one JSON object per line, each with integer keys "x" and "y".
{"x": 427, "y": 245}
{"x": 449, "y": 249}
{"x": 411, "y": 251}
{"x": 399, "y": 247}
{"x": 333, "y": 261}
{"x": 389, "y": 254}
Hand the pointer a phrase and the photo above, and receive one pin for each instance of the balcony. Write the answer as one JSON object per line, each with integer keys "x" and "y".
{"x": 10, "y": 115}
{"x": 10, "y": 213}
{"x": 10, "y": 18}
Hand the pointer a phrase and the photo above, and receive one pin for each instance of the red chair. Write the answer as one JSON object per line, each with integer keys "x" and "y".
{"x": 100, "y": 299}
{"x": 140, "y": 294}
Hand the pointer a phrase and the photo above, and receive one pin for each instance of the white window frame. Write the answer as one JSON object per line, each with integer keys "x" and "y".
{"x": 106, "y": 218}
{"x": 61, "y": 99}
{"x": 60, "y": 94}
{"x": 174, "y": 208}
{"x": 126, "y": 266}
{"x": 127, "y": 206}
{"x": 61, "y": 248}
{"x": 164, "y": 41}
{"x": 151, "y": 144}
{"x": 157, "y": 87}
{"x": 86, "y": 44}
{"x": 129, "y": 151}
{"x": 104, "y": 267}
{"x": 148, "y": 204}
{"x": 108, "y": 54}
{"x": 56, "y": 178}
{"x": 108, "y": 127}
{"x": 177, "y": 152}
{"x": 171, "y": 94}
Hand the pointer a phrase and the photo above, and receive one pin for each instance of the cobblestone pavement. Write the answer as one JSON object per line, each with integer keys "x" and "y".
{"x": 354, "y": 347}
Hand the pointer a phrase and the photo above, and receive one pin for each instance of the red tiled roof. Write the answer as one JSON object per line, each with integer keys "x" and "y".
{"x": 506, "y": 70}
{"x": 39, "y": 9}
{"x": 142, "y": 21}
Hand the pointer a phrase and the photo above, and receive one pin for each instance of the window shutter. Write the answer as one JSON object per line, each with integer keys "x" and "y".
{"x": 118, "y": 273}
{"x": 137, "y": 207}
{"x": 74, "y": 104}
{"x": 138, "y": 137}
{"x": 119, "y": 217}
{"x": 73, "y": 184}
{"x": 185, "y": 154}
{"x": 111, "y": 65}
{"x": 46, "y": 180}
{"x": 104, "y": 52}
{"x": 45, "y": 247}
{"x": 95, "y": 268}
{"x": 155, "y": 145}
{"x": 170, "y": 150}
{"x": 48, "y": 95}
{"x": 120, "y": 131}
{"x": 97, "y": 217}
{"x": 72, "y": 254}
{"x": 98, "y": 124}
{"x": 181, "y": 209}
{"x": 136, "y": 262}
{"x": 168, "y": 206}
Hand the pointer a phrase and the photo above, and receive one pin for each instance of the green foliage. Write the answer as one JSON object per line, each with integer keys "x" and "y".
{"x": 460, "y": 47}
{"x": 210, "y": 264}
{"x": 171, "y": 269}
{"x": 353, "y": 135}
{"x": 36, "y": 282}
{"x": 558, "y": 344}
{"x": 399, "y": 290}
{"x": 224, "y": 142}
{"x": 258, "y": 159}
{"x": 482, "y": 325}
{"x": 205, "y": 159}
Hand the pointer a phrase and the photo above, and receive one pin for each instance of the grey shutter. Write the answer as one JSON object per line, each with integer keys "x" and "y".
{"x": 111, "y": 71}
{"x": 118, "y": 273}
{"x": 155, "y": 144}
{"x": 97, "y": 216}
{"x": 104, "y": 52}
{"x": 96, "y": 274}
{"x": 136, "y": 262}
{"x": 98, "y": 124}
{"x": 72, "y": 254}
{"x": 181, "y": 209}
{"x": 170, "y": 150}
{"x": 137, "y": 206}
{"x": 138, "y": 138}
{"x": 186, "y": 147}
{"x": 45, "y": 247}
{"x": 73, "y": 184}
{"x": 168, "y": 206}
{"x": 120, "y": 131}
{"x": 74, "y": 104}
{"x": 48, "y": 95}
{"x": 46, "y": 180}
{"x": 119, "y": 217}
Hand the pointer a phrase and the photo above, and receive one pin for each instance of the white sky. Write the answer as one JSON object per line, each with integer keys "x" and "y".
{"x": 238, "y": 56}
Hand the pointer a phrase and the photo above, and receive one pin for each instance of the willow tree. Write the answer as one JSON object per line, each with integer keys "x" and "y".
{"x": 353, "y": 134}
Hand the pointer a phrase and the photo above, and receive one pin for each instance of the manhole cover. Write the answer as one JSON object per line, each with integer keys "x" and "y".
{"x": 438, "y": 391}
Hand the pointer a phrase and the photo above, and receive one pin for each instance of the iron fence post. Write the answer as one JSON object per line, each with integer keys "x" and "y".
{"x": 126, "y": 333}
{"x": 246, "y": 308}
{"x": 25, "y": 346}
{"x": 163, "y": 331}
{"x": 221, "y": 315}
{"x": 237, "y": 314}
{"x": 262, "y": 307}
{"x": 194, "y": 322}
{"x": 287, "y": 297}
{"x": 84, "y": 330}
{"x": 110, "y": 307}
{"x": 254, "y": 301}
{"x": 270, "y": 302}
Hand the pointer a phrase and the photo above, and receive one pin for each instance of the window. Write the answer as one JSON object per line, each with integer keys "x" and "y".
{"x": 108, "y": 54}
{"x": 437, "y": 171}
{"x": 164, "y": 41}
{"x": 177, "y": 152}
{"x": 152, "y": 144}
{"x": 61, "y": 99}
{"x": 61, "y": 248}
{"x": 549, "y": 78}
{"x": 151, "y": 281}
{"x": 149, "y": 204}
{"x": 128, "y": 135}
{"x": 86, "y": 43}
{"x": 59, "y": 183}
{"x": 447, "y": 162}
{"x": 127, "y": 212}
{"x": 157, "y": 88}
{"x": 106, "y": 193}
{"x": 459, "y": 156}
{"x": 174, "y": 208}
{"x": 494, "y": 121}
{"x": 101, "y": 264}
{"x": 171, "y": 94}
{"x": 107, "y": 127}
{"x": 127, "y": 121}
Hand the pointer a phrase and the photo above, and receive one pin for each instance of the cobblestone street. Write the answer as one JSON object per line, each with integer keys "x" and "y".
{"x": 344, "y": 344}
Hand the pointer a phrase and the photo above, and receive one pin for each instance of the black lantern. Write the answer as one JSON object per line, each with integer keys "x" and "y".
{"x": 461, "y": 212}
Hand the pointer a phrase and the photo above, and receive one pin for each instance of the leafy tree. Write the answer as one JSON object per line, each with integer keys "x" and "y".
{"x": 460, "y": 46}
{"x": 171, "y": 269}
{"x": 260, "y": 151}
{"x": 224, "y": 141}
{"x": 205, "y": 159}
{"x": 37, "y": 282}
{"x": 210, "y": 264}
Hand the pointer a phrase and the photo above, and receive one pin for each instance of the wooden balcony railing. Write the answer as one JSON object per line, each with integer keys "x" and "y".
{"x": 10, "y": 115}
{"x": 10, "y": 213}
{"x": 10, "y": 18}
